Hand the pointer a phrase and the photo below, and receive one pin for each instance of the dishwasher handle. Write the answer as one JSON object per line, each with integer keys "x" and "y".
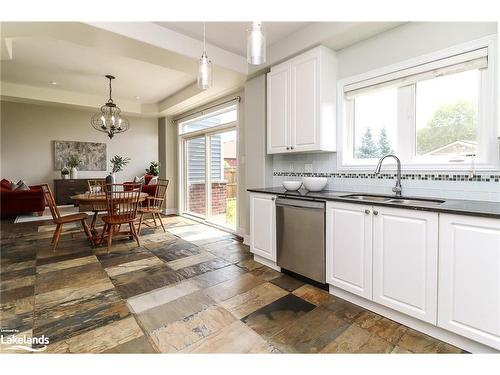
{"x": 285, "y": 202}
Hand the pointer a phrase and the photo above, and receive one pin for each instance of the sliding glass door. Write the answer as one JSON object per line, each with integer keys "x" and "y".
{"x": 209, "y": 168}
{"x": 223, "y": 179}
{"x": 196, "y": 176}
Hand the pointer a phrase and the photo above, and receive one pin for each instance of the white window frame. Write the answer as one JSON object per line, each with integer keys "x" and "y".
{"x": 182, "y": 165}
{"x": 488, "y": 126}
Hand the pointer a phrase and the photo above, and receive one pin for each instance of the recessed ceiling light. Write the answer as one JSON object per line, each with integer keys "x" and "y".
{"x": 137, "y": 97}
{"x": 53, "y": 82}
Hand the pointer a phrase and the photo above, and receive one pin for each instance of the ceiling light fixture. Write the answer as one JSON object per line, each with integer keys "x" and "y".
{"x": 109, "y": 120}
{"x": 53, "y": 82}
{"x": 205, "y": 67}
{"x": 256, "y": 44}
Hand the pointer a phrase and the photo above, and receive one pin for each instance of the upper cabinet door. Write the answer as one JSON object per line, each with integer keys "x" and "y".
{"x": 301, "y": 103}
{"x": 305, "y": 119}
{"x": 405, "y": 256}
{"x": 263, "y": 225}
{"x": 349, "y": 247}
{"x": 469, "y": 277}
{"x": 278, "y": 109}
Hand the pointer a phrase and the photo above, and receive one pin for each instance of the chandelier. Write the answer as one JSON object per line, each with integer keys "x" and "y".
{"x": 109, "y": 120}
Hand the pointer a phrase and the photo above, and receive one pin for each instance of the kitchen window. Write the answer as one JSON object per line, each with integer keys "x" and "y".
{"x": 436, "y": 112}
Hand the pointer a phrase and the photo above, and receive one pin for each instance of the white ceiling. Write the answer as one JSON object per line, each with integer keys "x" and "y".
{"x": 155, "y": 63}
{"x": 232, "y": 36}
{"x": 38, "y": 61}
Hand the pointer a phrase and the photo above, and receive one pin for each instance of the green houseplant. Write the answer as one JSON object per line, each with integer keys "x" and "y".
{"x": 117, "y": 165}
{"x": 73, "y": 162}
{"x": 154, "y": 168}
{"x": 65, "y": 173}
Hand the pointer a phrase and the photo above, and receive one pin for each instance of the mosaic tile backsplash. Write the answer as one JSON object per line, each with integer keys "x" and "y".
{"x": 481, "y": 186}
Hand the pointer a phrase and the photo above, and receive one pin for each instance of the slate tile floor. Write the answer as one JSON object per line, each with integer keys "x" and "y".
{"x": 193, "y": 289}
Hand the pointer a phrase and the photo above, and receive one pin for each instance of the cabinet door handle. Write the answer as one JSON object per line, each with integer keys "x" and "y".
{"x": 367, "y": 211}
{"x": 288, "y": 148}
{"x": 291, "y": 148}
{"x": 375, "y": 213}
{"x": 273, "y": 198}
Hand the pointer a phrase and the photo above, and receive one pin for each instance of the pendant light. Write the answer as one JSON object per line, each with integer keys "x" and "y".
{"x": 256, "y": 44}
{"x": 205, "y": 67}
{"x": 109, "y": 119}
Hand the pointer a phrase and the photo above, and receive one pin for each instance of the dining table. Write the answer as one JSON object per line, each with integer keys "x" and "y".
{"x": 97, "y": 202}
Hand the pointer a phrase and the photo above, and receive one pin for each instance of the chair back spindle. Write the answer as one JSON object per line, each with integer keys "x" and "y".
{"x": 49, "y": 200}
{"x": 122, "y": 204}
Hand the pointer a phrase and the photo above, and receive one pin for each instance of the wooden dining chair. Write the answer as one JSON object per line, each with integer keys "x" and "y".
{"x": 97, "y": 187}
{"x": 154, "y": 205}
{"x": 61, "y": 220}
{"x": 122, "y": 203}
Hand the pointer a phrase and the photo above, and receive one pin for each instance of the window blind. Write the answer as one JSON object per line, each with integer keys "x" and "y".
{"x": 477, "y": 59}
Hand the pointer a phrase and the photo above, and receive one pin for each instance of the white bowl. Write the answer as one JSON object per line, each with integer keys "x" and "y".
{"x": 292, "y": 185}
{"x": 314, "y": 183}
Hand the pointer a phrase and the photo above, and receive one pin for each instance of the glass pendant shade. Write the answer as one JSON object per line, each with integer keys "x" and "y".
{"x": 204, "y": 72}
{"x": 109, "y": 119}
{"x": 256, "y": 45}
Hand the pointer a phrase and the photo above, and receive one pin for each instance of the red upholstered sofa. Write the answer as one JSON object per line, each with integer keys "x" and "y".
{"x": 18, "y": 202}
{"x": 150, "y": 189}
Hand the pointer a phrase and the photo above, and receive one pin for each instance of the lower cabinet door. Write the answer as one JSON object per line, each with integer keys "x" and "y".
{"x": 349, "y": 247}
{"x": 263, "y": 225}
{"x": 405, "y": 256}
{"x": 469, "y": 277}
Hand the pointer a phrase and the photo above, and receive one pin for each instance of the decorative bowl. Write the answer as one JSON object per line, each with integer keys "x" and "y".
{"x": 292, "y": 185}
{"x": 314, "y": 183}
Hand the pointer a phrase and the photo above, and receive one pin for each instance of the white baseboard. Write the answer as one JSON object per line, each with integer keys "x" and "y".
{"x": 428, "y": 329}
{"x": 266, "y": 262}
{"x": 246, "y": 239}
{"x": 171, "y": 211}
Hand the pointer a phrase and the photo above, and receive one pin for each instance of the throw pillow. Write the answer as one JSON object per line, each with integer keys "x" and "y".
{"x": 5, "y": 183}
{"x": 139, "y": 180}
{"x": 21, "y": 185}
{"x": 153, "y": 181}
{"x": 12, "y": 186}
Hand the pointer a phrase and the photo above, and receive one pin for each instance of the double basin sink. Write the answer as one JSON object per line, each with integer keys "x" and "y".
{"x": 394, "y": 200}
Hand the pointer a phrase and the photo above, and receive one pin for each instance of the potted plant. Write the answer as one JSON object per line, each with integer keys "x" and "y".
{"x": 154, "y": 168}
{"x": 73, "y": 162}
{"x": 65, "y": 173}
{"x": 117, "y": 165}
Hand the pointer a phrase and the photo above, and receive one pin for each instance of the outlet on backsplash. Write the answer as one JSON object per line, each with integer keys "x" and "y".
{"x": 308, "y": 168}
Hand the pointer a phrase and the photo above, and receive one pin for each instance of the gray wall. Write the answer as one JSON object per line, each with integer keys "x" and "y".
{"x": 27, "y": 132}
{"x": 407, "y": 41}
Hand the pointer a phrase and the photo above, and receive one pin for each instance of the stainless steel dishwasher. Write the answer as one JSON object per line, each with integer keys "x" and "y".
{"x": 300, "y": 232}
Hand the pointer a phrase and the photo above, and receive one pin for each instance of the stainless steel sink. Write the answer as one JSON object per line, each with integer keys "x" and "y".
{"x": 371, "y": 198}
{"x": 392, "y": 199}
{"x": 410, "y": 201}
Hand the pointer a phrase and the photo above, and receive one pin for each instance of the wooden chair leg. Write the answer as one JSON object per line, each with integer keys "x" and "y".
{"x": 132, "y": 228}
{"x": 154, "y": 220}
{"x": 87, "y": 232}
{"x": 104, "y": 230}
{"x": 141, "y": 218}
{"x": 161, "y": 222}
{"x": 110, "y": 236}
{"x": 94, "y": 220}
{"x": 57, "y": 235}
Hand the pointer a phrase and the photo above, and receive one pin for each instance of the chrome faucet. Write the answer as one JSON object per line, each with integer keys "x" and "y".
{"x": 397, "y": 188}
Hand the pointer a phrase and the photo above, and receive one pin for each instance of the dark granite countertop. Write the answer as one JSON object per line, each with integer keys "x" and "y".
{"x": 451, "y": 206}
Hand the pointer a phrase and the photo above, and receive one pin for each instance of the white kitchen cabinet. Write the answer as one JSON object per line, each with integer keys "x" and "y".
{"x": 349, "y": 247}
{"x": 301, "y": 103}
{"x": 263, "y": 225}
{"x": 278, "y": 109}
{"x": 405, "y": 261}
{"x": 469, "y": 277}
